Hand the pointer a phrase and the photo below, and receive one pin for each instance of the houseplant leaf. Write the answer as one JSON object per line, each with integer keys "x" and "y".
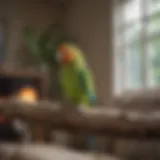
{"x": 31, "y": 41}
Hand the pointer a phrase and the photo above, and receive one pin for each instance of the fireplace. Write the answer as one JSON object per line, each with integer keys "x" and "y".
{"x": 21, "y": 83}
{"x": 24, "y": 86}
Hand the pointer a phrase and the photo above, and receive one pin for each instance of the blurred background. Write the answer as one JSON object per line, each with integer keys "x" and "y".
{"x": 137, "y": 44}
{"x": 121, "y": 43}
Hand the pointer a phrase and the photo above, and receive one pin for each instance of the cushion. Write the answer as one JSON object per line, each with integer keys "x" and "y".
{"x": 141, "y": 98}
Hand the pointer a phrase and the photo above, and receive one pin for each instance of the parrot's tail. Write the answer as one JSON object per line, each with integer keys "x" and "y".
{"x": 91, "y": 143}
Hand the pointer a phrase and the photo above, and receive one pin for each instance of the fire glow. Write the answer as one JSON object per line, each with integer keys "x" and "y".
{"x": 28, "y": 94}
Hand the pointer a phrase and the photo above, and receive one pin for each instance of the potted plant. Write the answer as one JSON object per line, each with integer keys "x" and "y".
{"x": 43, "y": 48}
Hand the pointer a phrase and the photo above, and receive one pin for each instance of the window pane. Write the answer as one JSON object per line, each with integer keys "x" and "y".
{"x": 154, "y": 23}
{"x": 132, "y": 33}
{"x": 133, "y": 68}
{"x": 132, "y": 10}
{"x": 133, "y": 52}
{"x": 154, "y": 6}
{"x": 154, "y": 62}
{"x": 119, "y": 68}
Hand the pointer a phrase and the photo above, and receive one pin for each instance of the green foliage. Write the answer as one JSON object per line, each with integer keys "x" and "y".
{"x": 31, "y": 41}
{"x": 44, "y": 46}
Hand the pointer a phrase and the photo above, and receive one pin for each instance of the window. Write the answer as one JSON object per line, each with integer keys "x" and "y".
{"x": 137, "y": 44}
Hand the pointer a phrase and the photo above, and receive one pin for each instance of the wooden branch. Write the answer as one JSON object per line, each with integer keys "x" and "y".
{"x": 104, "y": 121}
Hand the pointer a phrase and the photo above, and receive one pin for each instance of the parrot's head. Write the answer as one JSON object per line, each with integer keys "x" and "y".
{"x": 65, "y": 54}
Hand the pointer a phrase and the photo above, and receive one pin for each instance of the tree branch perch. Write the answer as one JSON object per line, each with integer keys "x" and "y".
{"x": 102, "y": 121}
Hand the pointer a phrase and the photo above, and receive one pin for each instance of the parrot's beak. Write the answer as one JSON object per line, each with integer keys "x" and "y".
{"x": 68, "y": 58}
{"x": 64, "y": 58}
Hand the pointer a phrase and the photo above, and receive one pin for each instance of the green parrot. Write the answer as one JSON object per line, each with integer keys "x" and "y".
{"x": 76, "y": 79}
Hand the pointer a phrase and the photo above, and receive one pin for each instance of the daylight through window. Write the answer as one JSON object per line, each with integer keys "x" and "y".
{"x": 137, "y": 44}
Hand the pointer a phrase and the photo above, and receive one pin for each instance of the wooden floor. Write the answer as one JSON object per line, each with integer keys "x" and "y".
{"x": 49, "y": 152}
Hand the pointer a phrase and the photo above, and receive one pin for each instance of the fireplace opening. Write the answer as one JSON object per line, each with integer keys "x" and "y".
{"x": 25, "y": 86}
{"x": 22, "y": 85}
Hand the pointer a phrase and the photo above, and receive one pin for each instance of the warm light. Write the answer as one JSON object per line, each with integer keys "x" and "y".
{"x": 28, "y": 94}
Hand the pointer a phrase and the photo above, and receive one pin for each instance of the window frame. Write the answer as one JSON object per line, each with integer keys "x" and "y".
{"x": 119, "y": 29}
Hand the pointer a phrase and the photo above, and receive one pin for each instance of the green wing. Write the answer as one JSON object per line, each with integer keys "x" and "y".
{"x": 83, "y": 81}
{"x": 87, "y": 86}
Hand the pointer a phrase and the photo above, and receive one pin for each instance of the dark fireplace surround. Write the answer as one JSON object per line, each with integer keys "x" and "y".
{"x": 12, "y": 82}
